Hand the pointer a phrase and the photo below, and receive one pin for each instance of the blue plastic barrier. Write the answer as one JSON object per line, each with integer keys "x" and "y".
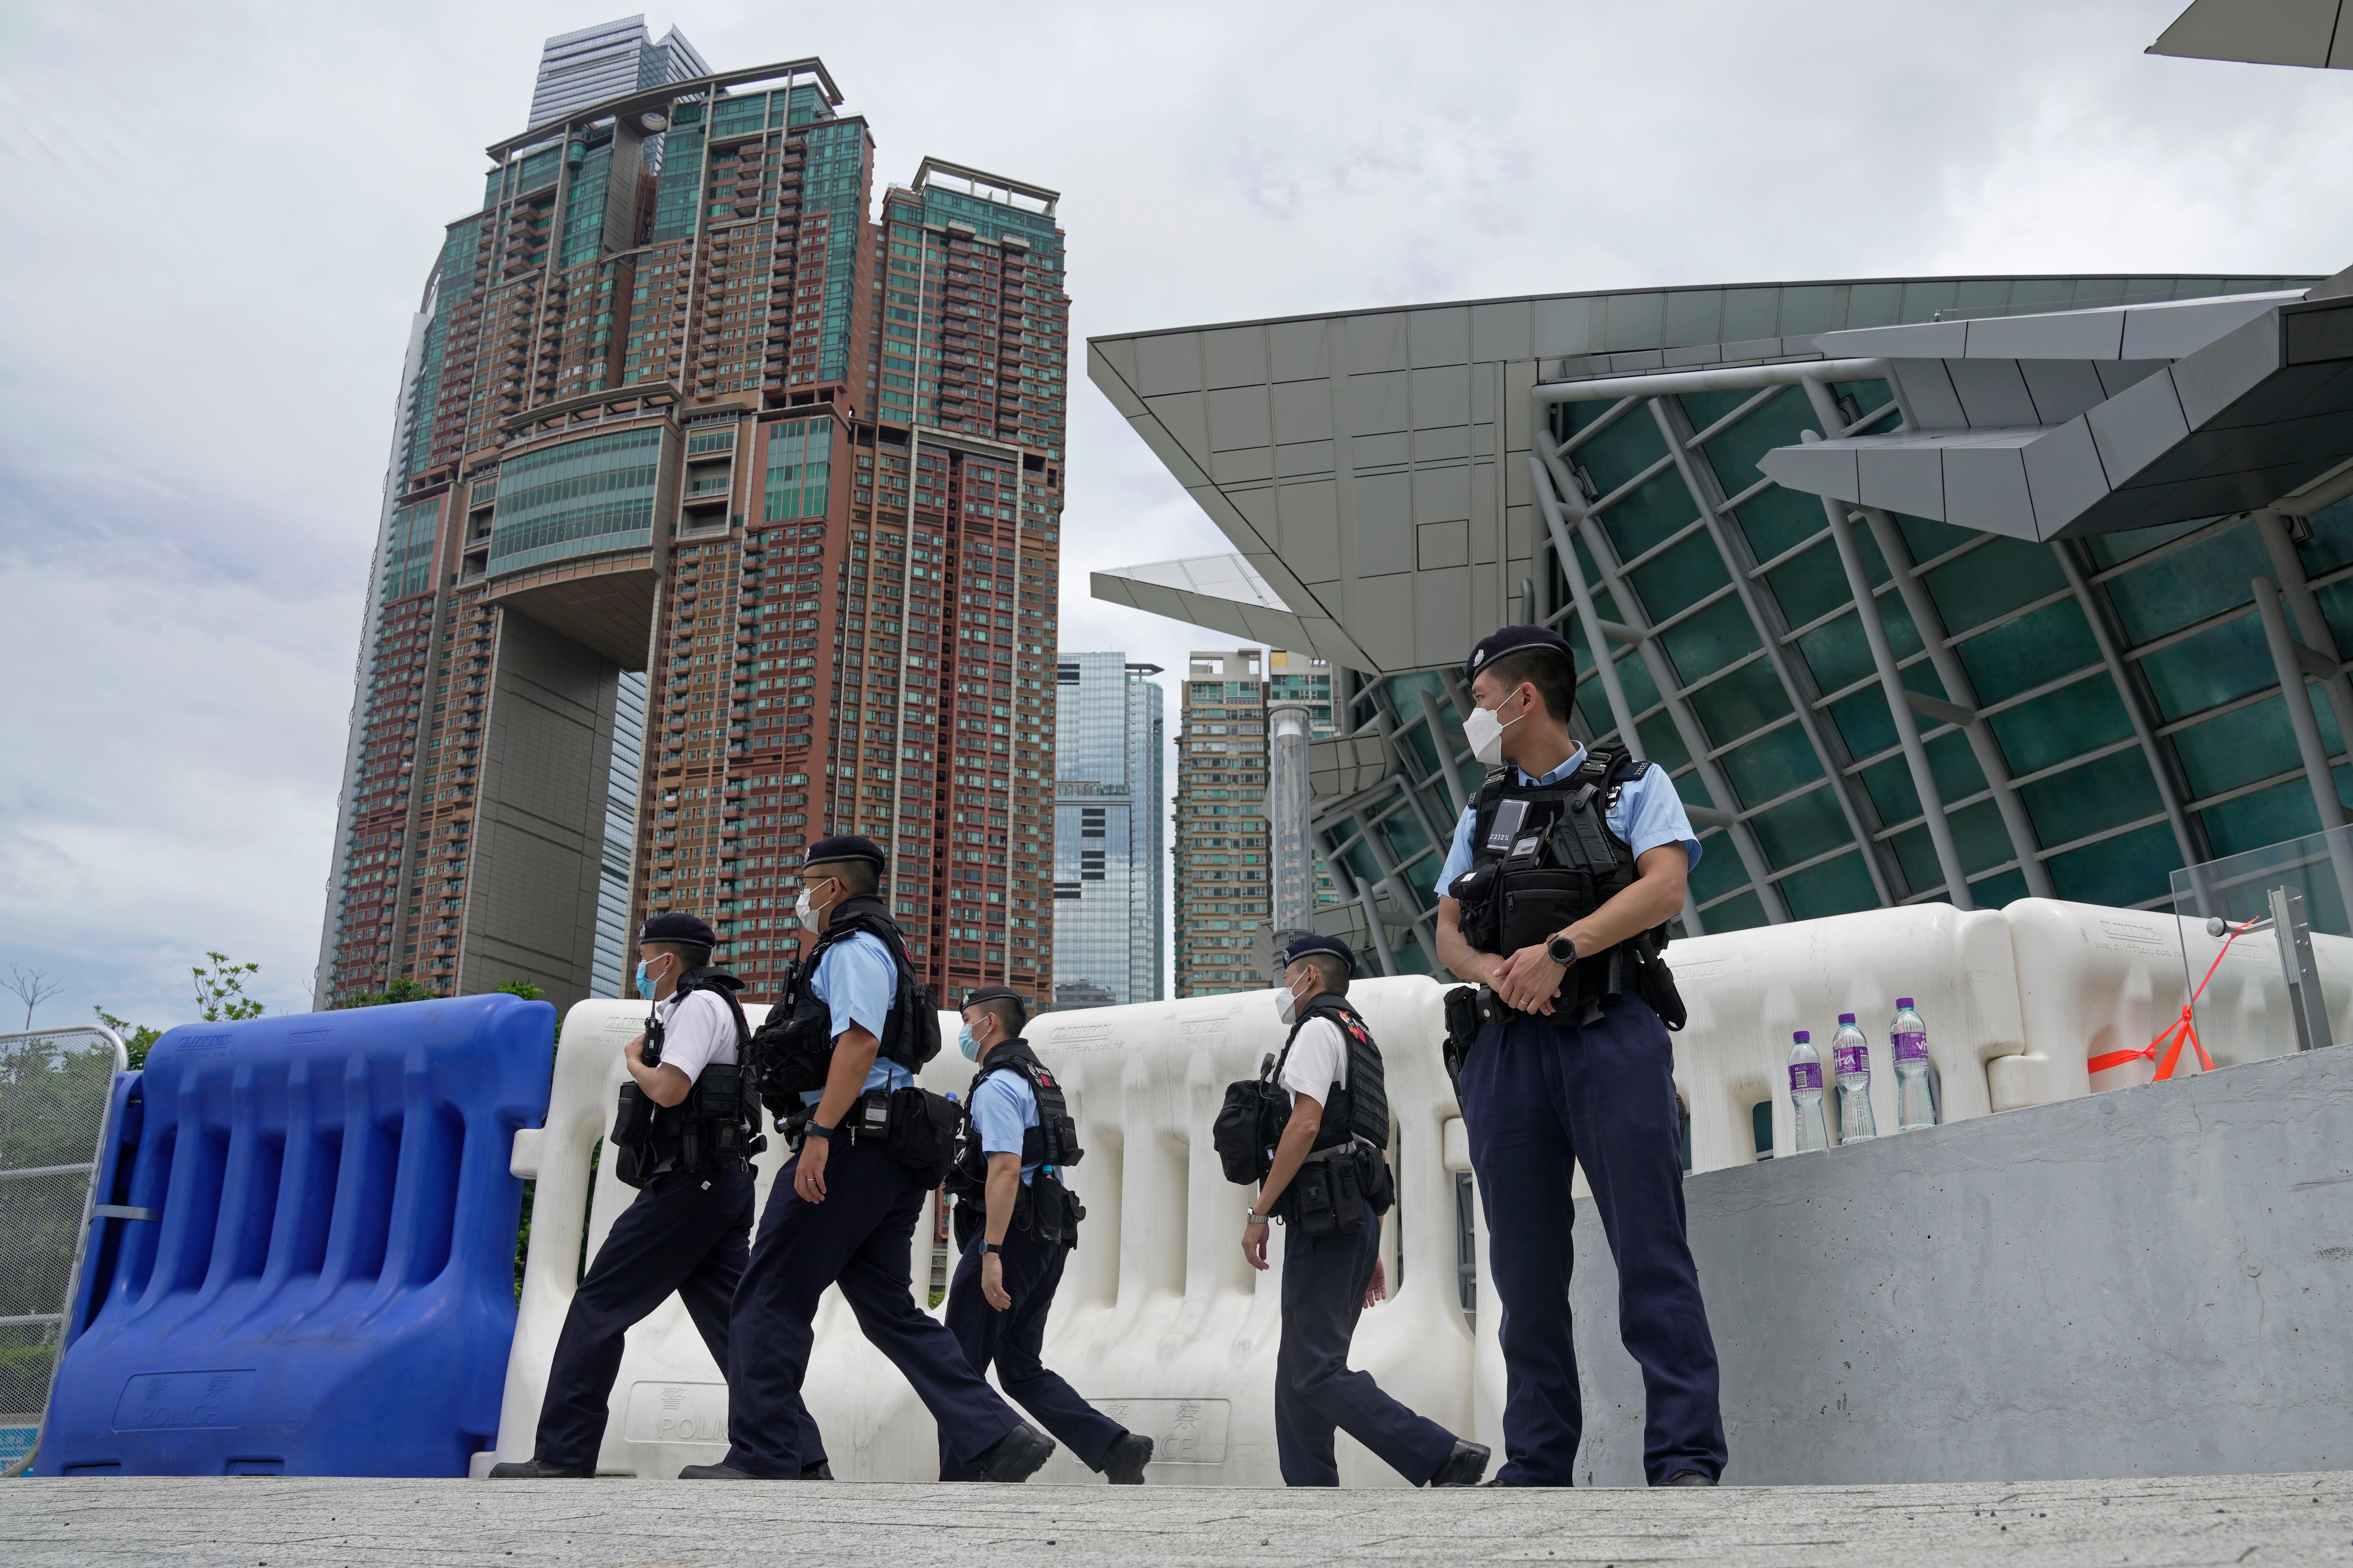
{"x": 327, "y": 1284}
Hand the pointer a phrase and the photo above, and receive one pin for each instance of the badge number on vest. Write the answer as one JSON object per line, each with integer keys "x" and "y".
{"x": 1508, "y": 817}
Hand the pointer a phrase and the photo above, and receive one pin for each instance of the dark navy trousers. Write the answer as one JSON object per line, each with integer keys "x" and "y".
{"x": 1323, "y": 1283}
{"x": 1538, "y": 1094}
{"x": 862, "y": 1238}
{"x": 685, "y": 1232}
{"x": 1012, "y": 1339}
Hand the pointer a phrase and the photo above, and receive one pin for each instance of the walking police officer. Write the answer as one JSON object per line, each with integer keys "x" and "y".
{"x": 853, "y": 1027}
{"x": 685, "y": 1231}
{"x": 1556, "y": 898}
{"x": 1329, "y": 1183}
{"x": 1016, "y": 1222}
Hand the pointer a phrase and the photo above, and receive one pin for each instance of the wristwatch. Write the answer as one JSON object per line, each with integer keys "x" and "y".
{"x": 817, "y": 1131}
{"x": 1256, "y": 1219}
{"x": 991, "y": 1246}
{"x": 1561, "y": 950}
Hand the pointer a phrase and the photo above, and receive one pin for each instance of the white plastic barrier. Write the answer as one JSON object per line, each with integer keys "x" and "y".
{"x": 1747, "y": 990}
{"x": 2094, "y": 980}
{"x": 1159, "y": 1320}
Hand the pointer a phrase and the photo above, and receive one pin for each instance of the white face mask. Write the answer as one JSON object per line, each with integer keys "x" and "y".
{"x": 1286, "y": 1006}
{"x": 1485, "y": 733}
{"x": 811, "y": 921}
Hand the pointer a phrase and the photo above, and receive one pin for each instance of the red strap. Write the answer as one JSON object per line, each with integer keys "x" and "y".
{"x": 2183, "y": 1029}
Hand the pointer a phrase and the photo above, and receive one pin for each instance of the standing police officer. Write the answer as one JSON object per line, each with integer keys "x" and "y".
{"x": 1017, "y": 1224}
{"x": 685, "y": 1230}
{"x": 1562, "y": 878}
{"x": 1331, "y": 1269}
{"x": 843, "y": 1210}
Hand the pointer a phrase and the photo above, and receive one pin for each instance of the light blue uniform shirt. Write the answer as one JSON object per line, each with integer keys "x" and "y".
{"x": 1002, "y": 1108}
{"x": 858, "y": 982}
{"x": 1649, "y": 813}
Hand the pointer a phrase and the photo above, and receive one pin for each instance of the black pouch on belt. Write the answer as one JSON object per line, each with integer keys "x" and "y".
{"x": 922, "y": 1137}
{"x": 1462, "y": 1030}
{"x": 1348, "y": 1204}
{"x": 1313, "y": 1210}
{"x": 633, "y": 1136}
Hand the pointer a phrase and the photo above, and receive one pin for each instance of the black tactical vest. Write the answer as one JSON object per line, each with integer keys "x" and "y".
{"x": 719, "y": 1120}
{"x": 794, "y": 1049}
{"x": 1359, "y": 1107}
{"x": 1543, "y": 856}
{"x": 1052, "y": 1146}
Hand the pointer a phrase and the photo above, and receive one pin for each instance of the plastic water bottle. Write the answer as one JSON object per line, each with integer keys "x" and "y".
{"x": 1914, "y": 1107}
{"x": 1806, "y": 1093}
{"x": 1851, "y": 1059}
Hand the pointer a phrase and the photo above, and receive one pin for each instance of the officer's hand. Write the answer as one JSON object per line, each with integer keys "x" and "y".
{"x": 1528, "y": 980}
{"x": 1254, "y": 1243}
{"x": 1377, "y": 1291}
{"x": 636, "y": 1050}
{"x": 808, "y": 1172}
{"x": 992, "y": 1280}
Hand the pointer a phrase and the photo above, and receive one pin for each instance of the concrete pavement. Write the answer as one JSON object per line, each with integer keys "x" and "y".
{"x": 275, "y": 1522}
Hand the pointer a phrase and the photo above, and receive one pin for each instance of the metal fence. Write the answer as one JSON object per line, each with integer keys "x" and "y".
{"x": 54, "y": 1086}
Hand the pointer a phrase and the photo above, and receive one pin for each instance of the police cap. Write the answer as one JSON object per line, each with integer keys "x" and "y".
{"x": 1331, "y": 945}
{"x": 677, "y": 927}
{"x": 1515, "y": 639}
{"x": 846, "y": 847}
{"x": 974, "y": 998}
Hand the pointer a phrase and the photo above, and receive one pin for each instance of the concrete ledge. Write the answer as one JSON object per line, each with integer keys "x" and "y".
{"x": 313, "y": 1524}
{"x": 2151, "y": 1281}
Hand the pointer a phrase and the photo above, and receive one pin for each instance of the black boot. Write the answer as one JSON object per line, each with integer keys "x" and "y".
{"x": 535, "y": 1470}
{"x": 1017, "y": 1456}
{"x": 1124, "y": 1466}
{"x": 1463, "y": 1467}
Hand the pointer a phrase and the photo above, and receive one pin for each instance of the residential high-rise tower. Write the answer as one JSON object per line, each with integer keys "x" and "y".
{"x": 720, "y": 517}
{"x": 1111, "y": 925}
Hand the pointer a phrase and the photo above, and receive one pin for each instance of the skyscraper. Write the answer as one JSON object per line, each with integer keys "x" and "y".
{"x": 1220, "y": 856}
{"x": 719, "y": 518}
{"x": 1110, "y": 925}
{"x": 579, "y": 70}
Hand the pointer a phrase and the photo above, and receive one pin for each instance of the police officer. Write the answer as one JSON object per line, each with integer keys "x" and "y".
{"x": 843, "y": 1211}
{"x": 1573, "y": 1062}
{"x": 685, "y": 1230}
{"x": 1330, "y": 1068}
{"x": 1012, "y": 1260}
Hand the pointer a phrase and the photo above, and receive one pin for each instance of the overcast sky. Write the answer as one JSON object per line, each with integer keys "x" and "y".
{"x": 224, "y": 215}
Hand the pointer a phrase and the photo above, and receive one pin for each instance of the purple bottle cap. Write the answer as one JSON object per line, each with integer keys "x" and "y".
{"x": 1846, "y": 1018}
{"x": 1903, "y": 1002}
{"x": 1803, "y": 1035}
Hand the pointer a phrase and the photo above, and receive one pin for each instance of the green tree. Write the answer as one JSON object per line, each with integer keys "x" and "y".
{"x": 523, "y": 988}
{"x": 136, "y": 1038}
{"x": 220, "y": 989}
{"x": 401, "y": 990}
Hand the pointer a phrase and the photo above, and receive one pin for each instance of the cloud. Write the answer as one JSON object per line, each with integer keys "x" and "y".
{"x": 222, "y": 219}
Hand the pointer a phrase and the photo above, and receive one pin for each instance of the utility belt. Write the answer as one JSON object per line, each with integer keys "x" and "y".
{"x": 915, "y": 1127}
{"x": 1336, "y": 1188}
{"x": 1042, "y": 1206}
{"x": 1589, "y": 985}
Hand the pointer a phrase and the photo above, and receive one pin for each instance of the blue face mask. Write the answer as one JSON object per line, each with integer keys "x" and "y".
{"x": 967, "y": 1044}
{"x": 645, "y": 986}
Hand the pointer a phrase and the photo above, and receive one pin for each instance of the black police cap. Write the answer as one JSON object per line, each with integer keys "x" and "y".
{"x": 677, "y": 927}
{"x": 999, "y": 993}
{"x": 1517, "y": 639}
{"x": 846, "y": 847}
{"x": 1331, "y": 945}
